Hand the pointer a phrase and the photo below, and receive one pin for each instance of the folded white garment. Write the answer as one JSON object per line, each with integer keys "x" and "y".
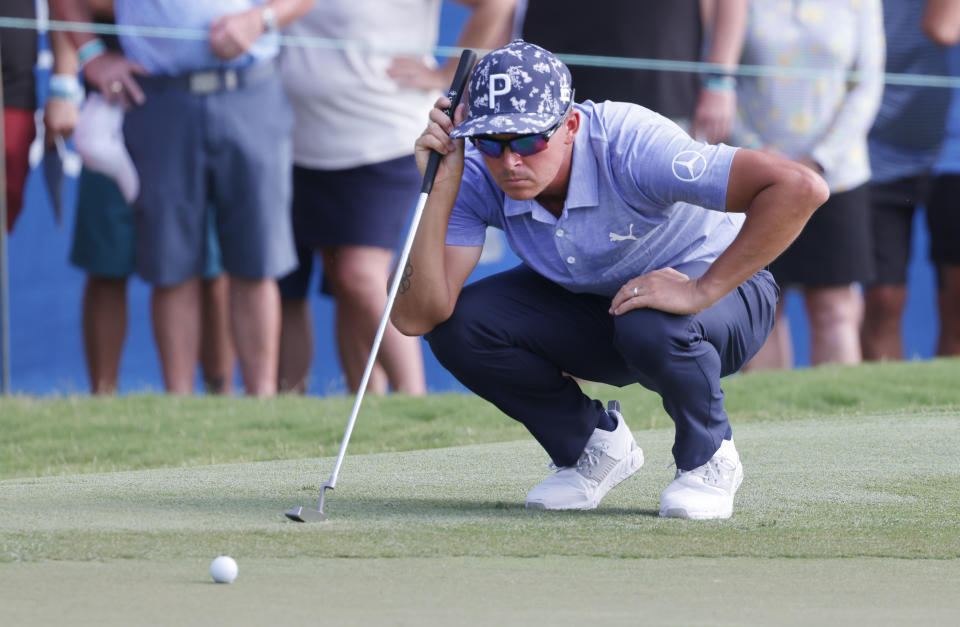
{"x": 98, "y": 138}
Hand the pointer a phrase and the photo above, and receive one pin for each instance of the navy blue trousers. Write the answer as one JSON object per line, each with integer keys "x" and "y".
{"x": 514, "y": 335}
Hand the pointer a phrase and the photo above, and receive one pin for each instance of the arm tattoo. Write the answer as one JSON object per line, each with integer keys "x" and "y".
{"x": 405, "y": 280}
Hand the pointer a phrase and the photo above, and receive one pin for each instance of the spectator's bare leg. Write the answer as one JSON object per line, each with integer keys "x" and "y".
{"x": 296, "y": 346}
{"x": 949, "y": 306}
{"x": 104, "y": 330}
{"x": 835, "y": 314}
{"x": 343, "y": 268}
{"x": 402, "y": 360}
{"x": 255, "y": 321}
{"x": 216, "y": 349}
{"x": 777, "y": 351}
{"x": 880, "y": 335}
{"x": 176, "y": 328}
{"x": 359, "y": 276}
{"x": 353, "y": 348}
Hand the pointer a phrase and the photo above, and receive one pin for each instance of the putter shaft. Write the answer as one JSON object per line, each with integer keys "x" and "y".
{"x": 301, "y": 514}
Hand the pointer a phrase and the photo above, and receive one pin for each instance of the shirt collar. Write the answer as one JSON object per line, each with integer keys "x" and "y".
{"x": 582, "y": 190}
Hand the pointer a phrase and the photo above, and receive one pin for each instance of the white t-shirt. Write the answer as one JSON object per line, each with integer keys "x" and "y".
{"x": 349, "y": 112}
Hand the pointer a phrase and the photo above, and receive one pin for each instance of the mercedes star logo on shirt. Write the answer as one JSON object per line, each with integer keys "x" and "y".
{"x": 689, "y": 165}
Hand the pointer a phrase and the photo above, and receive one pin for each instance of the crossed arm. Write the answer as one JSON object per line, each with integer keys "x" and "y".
{"x": 230, "y": 36}
{"x": 487, "y": 27}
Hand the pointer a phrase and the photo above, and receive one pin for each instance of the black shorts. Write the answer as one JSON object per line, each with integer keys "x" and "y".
{"x": 834, "y": 246}
{"x": 943, "y": 218}
{"x": 891, "y": 218}
{"x": 364, "y": 206}
{"x": 296, "y": 285}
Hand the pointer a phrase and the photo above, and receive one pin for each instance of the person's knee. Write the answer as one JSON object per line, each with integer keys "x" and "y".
{"x": 357, "y": 272}
{"x": 885, "y": 301}
{"x": 950, "y": 282}
{"x": 949, "y": 307}
{"x": 833, "y": 309}
{"x": 649, "y": 339}
{"x": 356, "y": 280}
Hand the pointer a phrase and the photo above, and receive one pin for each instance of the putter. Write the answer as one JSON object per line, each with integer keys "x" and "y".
{"x": 305, "y": 514}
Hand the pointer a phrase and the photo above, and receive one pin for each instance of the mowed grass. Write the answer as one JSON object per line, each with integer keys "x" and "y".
{"x": 70, "y": 435}
{"x": 872, "y": 486}
{"x": 840, "y": 462}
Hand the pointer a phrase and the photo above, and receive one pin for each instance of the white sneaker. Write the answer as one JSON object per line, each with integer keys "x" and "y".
{"x": 608, "y": 458}
{"x": 707, "y": 491}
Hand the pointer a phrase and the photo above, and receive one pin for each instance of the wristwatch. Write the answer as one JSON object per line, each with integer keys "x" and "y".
{"x": 269, "y": 19}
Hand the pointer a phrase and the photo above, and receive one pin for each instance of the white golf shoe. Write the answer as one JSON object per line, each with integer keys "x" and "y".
{"x": 608, "y": 458}
{"x": 707, "y": 491}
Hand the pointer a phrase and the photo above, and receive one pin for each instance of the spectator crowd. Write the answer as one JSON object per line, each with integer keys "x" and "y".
{"x": 225, "y": 170}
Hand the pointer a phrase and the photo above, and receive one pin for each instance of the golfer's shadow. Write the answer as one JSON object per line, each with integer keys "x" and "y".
{"x": 458, "y": 508}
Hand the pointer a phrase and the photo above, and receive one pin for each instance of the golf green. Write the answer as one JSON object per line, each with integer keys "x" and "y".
{"x": 486, "y": 591}
{"x": 840, "y": 519}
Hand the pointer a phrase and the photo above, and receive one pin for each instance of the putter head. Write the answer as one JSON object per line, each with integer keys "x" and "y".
{"x": 305, "y": 514}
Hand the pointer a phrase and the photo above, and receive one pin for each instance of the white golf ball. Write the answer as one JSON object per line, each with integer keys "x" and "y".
{"x": 223, "y": 569}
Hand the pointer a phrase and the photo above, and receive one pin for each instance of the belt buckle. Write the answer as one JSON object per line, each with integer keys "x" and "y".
{"x": 231, "y": 80}
{"x": 204, "y": 82}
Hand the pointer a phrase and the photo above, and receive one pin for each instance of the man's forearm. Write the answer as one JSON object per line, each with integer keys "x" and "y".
{"x": 488, "y": 26}
{"x": 424, "y": 297}
{"x": 73, "y": 11}
{"x": 727, "y": 33}
{"x": 941, "y": 21}
{"x": 64, "y": 54}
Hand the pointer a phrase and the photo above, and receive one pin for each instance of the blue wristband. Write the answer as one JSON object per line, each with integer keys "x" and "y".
{"x": 65, "y": 87}
{"x": 720, "y": 82}
{"x": 90, "y": 51}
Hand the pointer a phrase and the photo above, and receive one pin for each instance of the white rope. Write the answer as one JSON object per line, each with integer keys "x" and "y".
{"x": 629, "y": 63}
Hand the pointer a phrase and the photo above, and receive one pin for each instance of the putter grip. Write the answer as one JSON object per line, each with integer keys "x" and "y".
{"x": 467, "y": 59}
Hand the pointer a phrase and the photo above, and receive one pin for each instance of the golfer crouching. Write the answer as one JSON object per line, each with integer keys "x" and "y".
{"x": 643, "y": 254}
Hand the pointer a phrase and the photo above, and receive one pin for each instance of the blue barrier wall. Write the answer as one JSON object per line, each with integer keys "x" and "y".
{"x": 46, "y": 348}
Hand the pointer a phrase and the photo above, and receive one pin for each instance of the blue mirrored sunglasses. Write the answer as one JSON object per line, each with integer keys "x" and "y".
{"x": 525, "y": 145}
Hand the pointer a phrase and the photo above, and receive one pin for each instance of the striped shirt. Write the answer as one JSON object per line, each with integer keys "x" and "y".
{"x": 906, "y": 136}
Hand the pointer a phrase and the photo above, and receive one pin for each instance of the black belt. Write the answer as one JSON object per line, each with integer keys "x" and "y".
{"x": 212, "y": 81}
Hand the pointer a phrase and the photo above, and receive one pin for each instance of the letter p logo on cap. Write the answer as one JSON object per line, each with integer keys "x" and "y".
{"x": 504, "y": 81}
{"x": 518, "y": 89}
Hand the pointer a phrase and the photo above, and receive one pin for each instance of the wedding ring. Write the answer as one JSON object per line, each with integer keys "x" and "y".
{"x": 636, "y": 290}
{"x": 116, "y": 87}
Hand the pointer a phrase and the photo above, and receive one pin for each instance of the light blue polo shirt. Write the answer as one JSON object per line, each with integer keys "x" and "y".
{"x": 174, "y": 56}
{"x": 643, "y": 195}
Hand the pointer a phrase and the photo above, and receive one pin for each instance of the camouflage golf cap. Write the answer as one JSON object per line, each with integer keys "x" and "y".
{"x": 517, "y": 89}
